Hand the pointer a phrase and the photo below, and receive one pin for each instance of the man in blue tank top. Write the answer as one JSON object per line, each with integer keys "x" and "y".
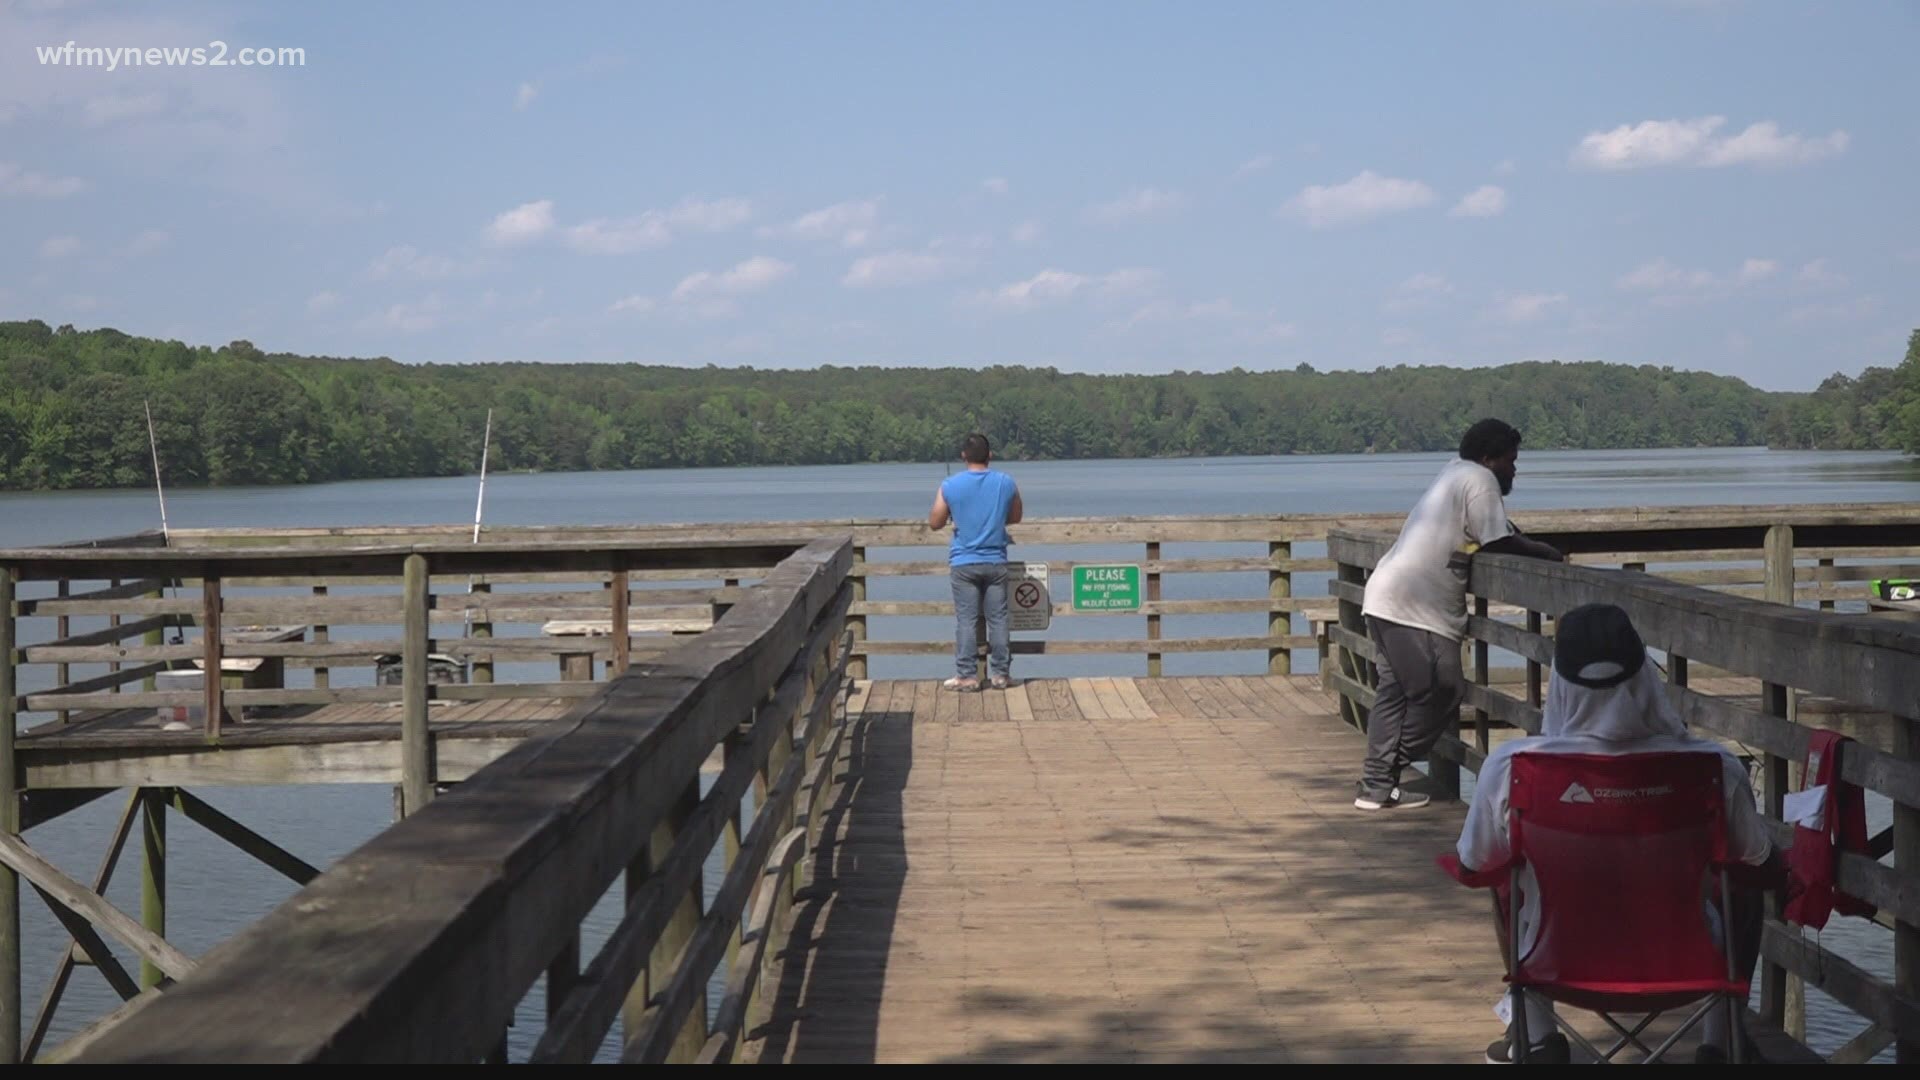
{"x": 981, "y": 503}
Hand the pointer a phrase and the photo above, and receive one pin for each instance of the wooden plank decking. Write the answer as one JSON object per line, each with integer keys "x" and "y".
{"x": 1127, "y": 870}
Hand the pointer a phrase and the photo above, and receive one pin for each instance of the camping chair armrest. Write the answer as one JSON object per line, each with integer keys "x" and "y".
{"x": 1451, "y": 865}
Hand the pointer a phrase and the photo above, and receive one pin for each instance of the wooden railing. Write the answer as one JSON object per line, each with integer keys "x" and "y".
{"x": 1268, "y": 608}
{"x": 1864, "y": 665}
{"x": 420, "y": 945}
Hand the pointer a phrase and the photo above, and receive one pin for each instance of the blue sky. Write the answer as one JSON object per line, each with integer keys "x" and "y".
{"x": 1723, "y": 186}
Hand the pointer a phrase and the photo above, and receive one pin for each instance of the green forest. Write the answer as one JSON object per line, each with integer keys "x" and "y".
{"x": 71, "y": 412}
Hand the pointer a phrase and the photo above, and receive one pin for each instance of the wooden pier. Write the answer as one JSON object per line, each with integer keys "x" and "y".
{"x": 1131, "y": 868}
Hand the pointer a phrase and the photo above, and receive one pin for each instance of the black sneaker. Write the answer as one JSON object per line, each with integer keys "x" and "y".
{"x": 1395, "y": 798}
{"x": 1553, "y": 1050}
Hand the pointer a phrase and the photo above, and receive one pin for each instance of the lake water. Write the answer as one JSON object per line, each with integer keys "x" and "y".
{"x": 214, "y": 890}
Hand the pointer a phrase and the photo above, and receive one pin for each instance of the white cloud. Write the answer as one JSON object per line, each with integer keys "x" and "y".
{"x": 1054, "y": 286}
{"x": 637, "y": 304}
{"x": 59, "y": 247}
{"x": 1656, "y": 143}
{"x": 146, "y": 242}
{"x": 896, "y": 268}
{"x": 525, "y": 95}
{"x": 996, "y": 185}
{"x": 1368, "y": 195}
{"x": 1421, "y": 291}
{"x": 1134, "y": 205}
{"x": 1817, "y": 272}
{"x": 656, "y": 228}
{"x": 1166, "y": 311}
{"x": 1762, "y": 144}
{"x": 113, "y": 107}
{"x": 1844, "y": 311}
{"x": 410, "y": 262}
{"x": 1526, "y": 307}
{"x": 1757, "y": 270}
{"x": 410, "y": 318}
{"x": 523, "y": 224}
{"x": 850, "y": 223}
{"x": 1251, "y": 166}
{"x": 322, "y": 301}
{"x": 1662, "y": 276}
{"x": 1485, "y": 201}
{"x": 17, "y": 181}
{"x": 750, "y": 276}
{"x": 1026, "y": 233}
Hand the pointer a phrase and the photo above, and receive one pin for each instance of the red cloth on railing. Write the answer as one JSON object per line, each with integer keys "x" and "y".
{"x": 1814, "y": 862}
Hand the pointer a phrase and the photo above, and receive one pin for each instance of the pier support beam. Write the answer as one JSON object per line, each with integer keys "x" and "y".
{"x": 153, "y": 875}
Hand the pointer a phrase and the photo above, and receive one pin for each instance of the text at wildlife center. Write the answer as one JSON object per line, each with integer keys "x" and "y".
{"x": 1106, "y": 588}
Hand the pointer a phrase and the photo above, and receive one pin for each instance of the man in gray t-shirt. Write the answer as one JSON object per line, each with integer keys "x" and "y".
{"x": 1416, "y": 607}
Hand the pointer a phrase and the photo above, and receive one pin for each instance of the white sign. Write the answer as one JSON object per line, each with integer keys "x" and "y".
{"x": 1029, "y": 607}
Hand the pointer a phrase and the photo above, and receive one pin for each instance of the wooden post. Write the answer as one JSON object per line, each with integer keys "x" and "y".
{"x": 563, "y": 974}
{"x": 212, "y": 684}
{"x": 482, "y": 664}
{"x": 416, "y": 755}
{"x": 152, "y": 637}
{"x": 1279, "y": 623}
{"x": 1533, "y": 666}
{"x": 732, "y": 749}
{"x": 10, "y": 1021}
{"x": 322, "y": 677}
{"x": 1779, "y": 772}
{"x": 1351, "y": 664}
{"x": 1153, "y": 617}
{"x": 857, "y": 622}
{"x": 114, "y": 620}
{"x": 153, "y": 875}
{"x": 61, "y": 671}
{"x": 673, "y": 938}
{"x": 622, "y": 599}
{"x": 1482, "y": 720}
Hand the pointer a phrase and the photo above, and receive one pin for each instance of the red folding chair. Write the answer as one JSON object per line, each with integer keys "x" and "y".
{"x": 1625, "y": 853}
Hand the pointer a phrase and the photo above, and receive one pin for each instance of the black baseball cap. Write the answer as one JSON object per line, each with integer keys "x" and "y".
{"x": 1601, "y": 638}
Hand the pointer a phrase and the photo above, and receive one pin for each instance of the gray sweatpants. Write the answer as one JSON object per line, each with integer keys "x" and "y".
{"x": 1418, "y": 698}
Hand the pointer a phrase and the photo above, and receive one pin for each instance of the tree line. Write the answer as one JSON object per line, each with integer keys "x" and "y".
{"x": 71, "y": 412}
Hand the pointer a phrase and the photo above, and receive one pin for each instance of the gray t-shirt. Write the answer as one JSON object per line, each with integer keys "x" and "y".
{"x": 1414, "y": 585}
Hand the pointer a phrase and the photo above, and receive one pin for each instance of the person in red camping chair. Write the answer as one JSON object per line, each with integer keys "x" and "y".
{"x": 1620, "y": 832}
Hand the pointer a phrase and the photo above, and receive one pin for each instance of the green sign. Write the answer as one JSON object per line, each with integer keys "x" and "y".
{"x": 1106, "y": 588}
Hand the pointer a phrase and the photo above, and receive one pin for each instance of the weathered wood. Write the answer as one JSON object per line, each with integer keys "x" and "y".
{"x": 416, "y": 748}
{"x": 104, "y": 960}
{"x": 1154, "y": 616}
{"x": 621, "y": 588}
{"x": 153, "y": 877}
{"x": 212, "y": 685}
{"x": 1279, "y": 597}
{"x": 743, "y": 978}
{"x": 1856, "y": 658}
{"x": 1841, "y": 979}
{"x": 63, "y": 890}
{"x": 545, "y": 829}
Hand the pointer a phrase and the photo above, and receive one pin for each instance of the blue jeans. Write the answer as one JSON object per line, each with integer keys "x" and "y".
{"x": 977, "y": 586}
